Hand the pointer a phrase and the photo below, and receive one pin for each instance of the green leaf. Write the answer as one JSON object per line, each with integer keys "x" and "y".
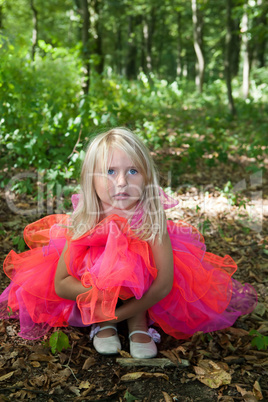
{"x": 58, "y": 341}
{"x": 129, "y": 398}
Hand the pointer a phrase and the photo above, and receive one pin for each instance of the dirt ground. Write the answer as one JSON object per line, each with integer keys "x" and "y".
{"x": 222, "y": 366}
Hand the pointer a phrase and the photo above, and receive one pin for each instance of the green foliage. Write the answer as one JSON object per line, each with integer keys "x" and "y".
{"x": 19, "y": 242}
{"x": 128, "y": 397}
{"x": 10, "y": 311}
{"x": 259, "y": 340}
{"x": 58, "y": 341}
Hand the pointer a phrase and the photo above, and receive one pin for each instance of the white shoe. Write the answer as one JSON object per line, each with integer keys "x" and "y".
{"x": 140, "y": 350}
{"x": 109, "y": 345}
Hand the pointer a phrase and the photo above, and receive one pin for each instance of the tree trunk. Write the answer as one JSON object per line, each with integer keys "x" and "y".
{"x": 147, "y": 41}
{"x": 228, "y": 56}
{"x": 235, "y": 46}
{"x": 260, "y": 46}
{"x": 85, "y": 44}
{"x": 245, "y": 50}
{"x": 179, "y": 46}
{"x": 144, "y": 39}
{"x": 119, "y": 48}
{"x": 35, "y": 28}
{"x": 1, "y": 17}
{"x": 200, "y": 65}
{"x": 132, "y": 50}
{"x": 100, "y": 65}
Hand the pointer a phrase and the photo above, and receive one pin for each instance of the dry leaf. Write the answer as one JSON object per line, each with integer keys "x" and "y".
{"x": 75, "y": 390}
{"x": 42, "y": 357}
{"x": 212, "y": 374}
{"x": 124, "y": 354}
{"x": 249, "y": 397}
{"x": 6, "y": 376}
{"x": 35, "y": 364}
{"x": 241, "y": 390}
{"x": 85, "y": 384}
{"x": 167, "y": 397}
{"x": 89, "y": 362}
{"x": 171, "y": 356}
{"x": 257, "y": 391}
{"x": 141, "y": 374}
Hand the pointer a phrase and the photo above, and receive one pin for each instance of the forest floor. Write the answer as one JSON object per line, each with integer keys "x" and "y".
{"x": 223, "y": 366}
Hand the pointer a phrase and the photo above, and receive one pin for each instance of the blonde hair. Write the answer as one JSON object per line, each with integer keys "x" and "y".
{"x": 151, "y": 224}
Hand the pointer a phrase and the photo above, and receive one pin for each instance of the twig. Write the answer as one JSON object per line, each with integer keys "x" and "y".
{"x": 156, "y": 362}
{"x": 77, "y": 142}
{"x": 67, "y": 365}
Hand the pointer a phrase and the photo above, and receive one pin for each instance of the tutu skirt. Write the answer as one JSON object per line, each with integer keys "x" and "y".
{"x": 114, "y": 264}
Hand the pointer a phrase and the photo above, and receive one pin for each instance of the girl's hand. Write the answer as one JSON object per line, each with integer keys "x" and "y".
{"x": 66, "y": 286}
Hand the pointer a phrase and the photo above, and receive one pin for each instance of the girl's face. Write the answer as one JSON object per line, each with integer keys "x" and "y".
{"x": 121, "y": 187}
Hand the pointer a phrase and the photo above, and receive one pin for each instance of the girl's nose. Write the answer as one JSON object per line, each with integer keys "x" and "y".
{"x": 121, "y": 180}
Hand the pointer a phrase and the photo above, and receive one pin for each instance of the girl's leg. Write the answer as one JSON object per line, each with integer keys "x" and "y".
{"x": 106, "y": 333}
{"x": 142, "y": 346}
{"x": 139, "y": 323}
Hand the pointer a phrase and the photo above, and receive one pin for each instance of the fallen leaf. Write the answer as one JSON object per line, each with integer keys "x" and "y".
{"x": 212, "y": 374}
{"x": 35, "y": 364}
{"x": 85, "y": 385}
{"x": 89, "y": 362}
{"x": 241, "y": 390}
{"x": 167, "y": 397}
{"x": 42, "y": 357}
{"x": 6, "y": 376}
{"x": 124, "y": 354}
{"x": 249, "y": 397}
{"x": 171, "y": 356}
{"x": 257, "y": 391}
{"x": 75, "y": 390}
{"x": 141, "y": 374}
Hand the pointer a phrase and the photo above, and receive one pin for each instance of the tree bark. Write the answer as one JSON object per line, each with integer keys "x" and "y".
{"x": 261, "y": 21}
{"x": 35, "y": 28}
{"x": 235, "y": 46}
{"x": 245, "y": 50}
{"x": 85, "y": 44}
{"x": 100, "y": 65}
{"x": 228, "y": 56}
{"x": 179, "y": 46}
{"x": 132, "y": 50}
{"x": 200, "y": 65}
{"x": 1, "y": 17}
{"x": 119, "y": 48}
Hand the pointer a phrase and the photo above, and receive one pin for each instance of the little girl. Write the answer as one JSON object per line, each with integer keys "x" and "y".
{"x": 118, "y": 258}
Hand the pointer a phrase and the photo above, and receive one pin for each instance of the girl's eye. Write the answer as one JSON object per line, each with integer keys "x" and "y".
{"x": 133, "y": 171}
{"x": 110, "y": 171}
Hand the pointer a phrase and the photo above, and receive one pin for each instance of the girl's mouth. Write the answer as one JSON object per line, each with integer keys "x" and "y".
{"x": 121, "y": 196}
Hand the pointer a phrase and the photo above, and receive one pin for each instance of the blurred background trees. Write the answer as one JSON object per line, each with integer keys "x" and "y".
{"x": 163, "y": 68}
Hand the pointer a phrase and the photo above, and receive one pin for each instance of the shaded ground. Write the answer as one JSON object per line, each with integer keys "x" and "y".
{"x": 226, "y": 359}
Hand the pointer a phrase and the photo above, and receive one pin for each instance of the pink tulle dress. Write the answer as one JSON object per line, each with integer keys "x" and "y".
{"x": 114, "y": 264}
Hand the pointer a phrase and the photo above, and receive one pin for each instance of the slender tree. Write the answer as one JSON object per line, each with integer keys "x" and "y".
{"x": 179, "y": 45}
{"x": 197, "y": 27}
{"x": 35, "y": 28}
{"x": 1, "y": 16}
{"x": 98, "y": 42}
{"x": 228, "y": 56}
{"x": 85, "y": 43}
{"x": 131, "y": 62}
{"x": 245, "y": 51}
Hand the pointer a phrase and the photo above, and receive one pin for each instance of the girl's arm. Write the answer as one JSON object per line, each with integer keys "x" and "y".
{"x": 161, "y": 286}
{"x": 66, "y": 286}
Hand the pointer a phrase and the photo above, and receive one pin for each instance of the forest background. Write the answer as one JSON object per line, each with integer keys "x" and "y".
{"x": 184, "y": 75}
{"x": 190, "y": 78}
